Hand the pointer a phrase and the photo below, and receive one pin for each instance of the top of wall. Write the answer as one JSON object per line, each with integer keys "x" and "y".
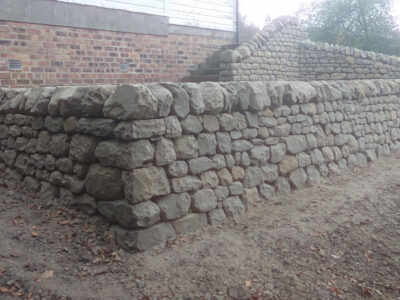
{"x": 161, "y": 100}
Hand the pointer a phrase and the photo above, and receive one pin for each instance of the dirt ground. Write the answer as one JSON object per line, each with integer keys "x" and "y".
{"x": 337, "y": 241}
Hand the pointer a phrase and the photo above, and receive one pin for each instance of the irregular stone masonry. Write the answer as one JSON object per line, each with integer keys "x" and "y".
{"x": 160, "y": 160}
{"x": 282, "y": 51}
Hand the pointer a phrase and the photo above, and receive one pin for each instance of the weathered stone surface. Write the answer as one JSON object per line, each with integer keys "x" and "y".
{"x": 259, "y": 155}
{"x": 189, "y": 223}
{"x": 282, "y": 186}
{"x": 210, "y": 123}
{"x": 196, "y": 102}
{"x": 96, "y": 127}
{"x": 227, "y": 122}
{"x": 174, "y": 206}
{"x": 313, "y": 176}
{"x": 233, "y": 207}
{"x": 143, "y": 239}
{"x": 216, "y": 216}
{"x": 178, "y": 169}
{"x": 267, "y": 191}
{"x": 225, "y": 177}
{"x": 173, "y": 127}
{"x": 213, "y": 97}
{"x": 278, "y": 152}
{"x": 288, "y": 164}
{"x": 73, "y": 183}
{"x": 298, "y": 178}
{"x": 180, "y": 105}
{"x": 131, "y": 102}
{"x": 164, "y": 99}
{"x": 54, "y": 124}
{"x": 86, "y": 203}
{"x": 127, "y": 156}
{"x": 48, "y": 192}
{"x": 8, "y": 156}
{"x": 316, "y": 157}
{"x": 43, "y": 142}
{"x": 237, "y": 173}
{"x": 31, "y": 184}
{"x": 140, "y": 215}
{"x": 165, "y": 152}
{"x": 186, "y": 147}
{"x": 192, "y": 125}
{"x": 207, "y": 144}
{"x": 270, "y": 172}
{"x": 295, "y": 144}
{"x": 203, "y": 201}
{"x": 145, "y": 184}
{"x": 209, "y": 179}
{"x": 64, "y": 165}
{"x": 104, "y": 183}
{"x": 59, "y": 144}
{"x": 200, "y": 165}
{"x": 140, "y": 129}
{"x": 236, "y": 188}
{"x": 224, "y": 142}
{"x": 259, "y": 98}
{"x": 186, "y": 184}
{"x": 83, "y": 147}
{"x": 253, "y": 177}
{"x": 241, "y": 145}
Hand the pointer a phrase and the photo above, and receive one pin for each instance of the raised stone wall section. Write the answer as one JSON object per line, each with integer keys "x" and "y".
{"x": 282, "y": 51}
{"x": 163, "y": 159}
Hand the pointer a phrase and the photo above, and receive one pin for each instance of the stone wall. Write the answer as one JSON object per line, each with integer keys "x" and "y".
{"x": 282, "y": 51}
{"x": 271, "y": 54}
{"x": 323, "y": 61}
{"x": 160, "y": 160}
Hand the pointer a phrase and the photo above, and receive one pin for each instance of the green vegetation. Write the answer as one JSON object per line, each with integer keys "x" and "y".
{"x": 364, "y": 24}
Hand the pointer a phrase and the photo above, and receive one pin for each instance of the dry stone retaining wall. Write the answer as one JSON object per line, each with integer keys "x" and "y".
{"x": 282, "y": 51}
{"x": 163, "y": 159}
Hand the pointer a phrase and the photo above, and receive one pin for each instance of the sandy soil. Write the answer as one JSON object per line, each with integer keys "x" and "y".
{"x": 337, "y": 241}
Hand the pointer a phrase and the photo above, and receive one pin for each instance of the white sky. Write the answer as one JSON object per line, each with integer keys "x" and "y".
{"x": 257, "y": 10}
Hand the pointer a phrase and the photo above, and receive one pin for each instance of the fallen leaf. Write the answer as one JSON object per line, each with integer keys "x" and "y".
{"x": 368, "y": 255}
{"x": 248, "y": 282}
{"x": 35, "y": 234}
{"x": 47, "y": 274}
{"x": 64, "y": 222}
{"x": 2, "y": 271}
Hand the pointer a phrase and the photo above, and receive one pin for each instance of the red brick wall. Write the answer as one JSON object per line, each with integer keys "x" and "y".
{"x": 53, "y": 55}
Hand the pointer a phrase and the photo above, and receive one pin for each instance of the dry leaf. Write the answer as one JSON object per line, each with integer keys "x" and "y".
{"x": 2, "y": 271}
{"x": 47, "y": 274}
{"x": 35, "y": 234}
{"x": 248, "y": 282}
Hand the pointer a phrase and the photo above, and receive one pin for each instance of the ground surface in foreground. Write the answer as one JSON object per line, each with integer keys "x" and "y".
{"x": 339, "y": 240}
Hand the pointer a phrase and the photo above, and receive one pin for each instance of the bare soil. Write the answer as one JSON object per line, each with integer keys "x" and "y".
{"x": 340, "y": 240}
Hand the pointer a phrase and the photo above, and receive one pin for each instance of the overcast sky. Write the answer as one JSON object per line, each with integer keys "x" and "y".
{"x": 257, "y": 10}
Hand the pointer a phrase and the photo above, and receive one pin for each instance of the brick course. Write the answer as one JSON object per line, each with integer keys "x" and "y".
{"x": 54, "y": 55}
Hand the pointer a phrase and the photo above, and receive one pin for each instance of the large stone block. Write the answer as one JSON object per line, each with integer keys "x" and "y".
{"x": 131, "y": 102}
{"x": 174, "y": 206}
{"x": 288, "y": 164}
{"x": 145, "y": 184}
{"x": 207, "y": 144}
{"x": 104, "y": 183}
{"x": 204, "y": 201}
{"x": 189, "y": 223}
{"x": 143, "y": 239}
{"x": 115, "y": 153}
{"x": 59, "y": 144}
{"x": 213, "y": 97}
{"x": 83, "y": 147}
{"x": 96, "y": 127}
{"x": 180, "y": 104}
{"x": 186, "y": 184}
{"x": 140, "y": 129}
{"x": 186, "y": 147}
{"x": 295, "y": 144}
{"x": 233, "y": 207}
{"x": 200, "y": 165}
{"x": 253, "y": 176}
{"x": 140, "y": 215}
